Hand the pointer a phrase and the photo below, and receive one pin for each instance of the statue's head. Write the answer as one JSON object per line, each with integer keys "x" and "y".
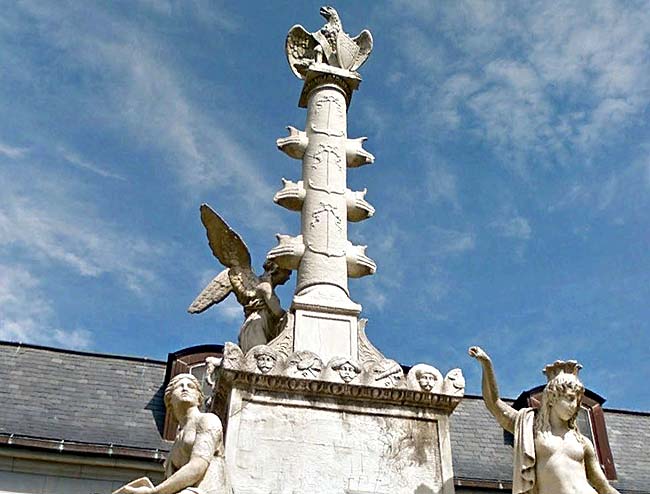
{"x": 328, "y": 12}
{"x": 265, "y": 358}
{"x": 426, "y": 379}
{"x": 276, "y": 274}
{"x": 183, "y": 388}
{"x": 562, "y": 395}
{"x": 346, "y": 368}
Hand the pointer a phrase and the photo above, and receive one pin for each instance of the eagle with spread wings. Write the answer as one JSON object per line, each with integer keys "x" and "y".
{"x": 330, "y": 45}
{"x": 262, "y": 310}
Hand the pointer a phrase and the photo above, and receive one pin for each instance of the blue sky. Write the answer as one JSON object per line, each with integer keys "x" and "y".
{"x": 511, "y": 182}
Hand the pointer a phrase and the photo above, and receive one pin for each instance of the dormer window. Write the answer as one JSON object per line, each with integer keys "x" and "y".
{"x": 192, "y": 361}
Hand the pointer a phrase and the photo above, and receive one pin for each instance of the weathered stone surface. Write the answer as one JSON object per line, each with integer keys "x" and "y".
{"x": 290, "y": 443}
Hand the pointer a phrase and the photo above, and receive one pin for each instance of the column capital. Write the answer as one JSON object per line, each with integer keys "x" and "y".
{"x": 320, "y": 74}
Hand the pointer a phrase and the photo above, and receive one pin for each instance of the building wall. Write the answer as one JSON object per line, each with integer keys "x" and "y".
{"x": 54, "y": 473}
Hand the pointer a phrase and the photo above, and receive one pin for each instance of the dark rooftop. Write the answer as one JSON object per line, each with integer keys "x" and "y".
{"x": 106, "y": 399}
{"x": 81, "y": 397}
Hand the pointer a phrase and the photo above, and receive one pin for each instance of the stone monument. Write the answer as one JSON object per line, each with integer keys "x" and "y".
{"x": 309, "y": 404}
{"x": 551, "y": 456}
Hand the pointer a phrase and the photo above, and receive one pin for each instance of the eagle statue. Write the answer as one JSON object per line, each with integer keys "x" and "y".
{"x": 329, "y": 45}
{"x": 262, "y": 311}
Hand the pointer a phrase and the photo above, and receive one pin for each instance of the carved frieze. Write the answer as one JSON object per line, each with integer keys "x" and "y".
{"x": 278, "y": 359}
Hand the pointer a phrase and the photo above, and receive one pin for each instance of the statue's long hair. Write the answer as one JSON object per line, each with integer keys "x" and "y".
{"x": 556, "y": 387}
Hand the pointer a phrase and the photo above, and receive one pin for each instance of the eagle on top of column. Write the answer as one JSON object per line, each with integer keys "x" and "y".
{"x": 329, "y": 45}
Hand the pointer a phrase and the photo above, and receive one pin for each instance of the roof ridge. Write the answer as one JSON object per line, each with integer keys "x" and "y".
{"x": 20, "y": 344}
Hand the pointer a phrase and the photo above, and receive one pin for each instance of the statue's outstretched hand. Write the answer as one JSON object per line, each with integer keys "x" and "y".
{"x": 479, "y": 354}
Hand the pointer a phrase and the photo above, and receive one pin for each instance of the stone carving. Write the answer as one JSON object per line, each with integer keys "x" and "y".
{"x": 291, "y": 196}
{"x": 288, "y": 252}
{"x": 384, "y": 373}
{"x": 423, "y": 377}
{"x": 233, "y": 357}
{"x": 294, "y": 144}
{"x": 211, "y": 366}
{"x": 367, "y": 351}
{"x": 358, "y": 208}
{"x": 262, "y": 310}
{"x": 283, "y": 343}
{"x": 454, "y": 383}
{"x": 343, "y": 369}
{"x": 275, "y": 360}
{"x": 210, "y": 379}
{"x": 330, "y": 45}
{"x": 196, "y": 461}
{"x": 261, "y": 358}
{"x": 355, "y": 155}
{"x": 550, "y": 453}
{"x": 304, "y": 364}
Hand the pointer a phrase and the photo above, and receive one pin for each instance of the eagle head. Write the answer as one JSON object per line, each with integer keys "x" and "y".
{"x": 328, "y": 12}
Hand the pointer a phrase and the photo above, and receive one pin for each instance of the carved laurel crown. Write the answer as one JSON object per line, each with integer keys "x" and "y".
{"x": 561, "y": 366}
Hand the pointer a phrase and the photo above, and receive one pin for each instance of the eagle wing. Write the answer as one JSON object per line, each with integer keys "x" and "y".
{"x": 364, "y": 42}
{"x": 217, "y": 290}
{"x": 300, "y": 49}
{"x": 226, "y": 244}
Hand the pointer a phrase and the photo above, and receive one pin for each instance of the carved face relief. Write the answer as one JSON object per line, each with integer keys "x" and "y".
{"x": 426, "y": 381}
{"x": 265, "y": 363}
{"x": 347, "y": 372}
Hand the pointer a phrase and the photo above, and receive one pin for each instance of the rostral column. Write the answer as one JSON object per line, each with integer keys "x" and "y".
{"x": 325, "y": 317}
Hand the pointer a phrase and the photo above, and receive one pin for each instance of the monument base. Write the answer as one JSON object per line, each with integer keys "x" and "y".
{"x": 285, "y": 435}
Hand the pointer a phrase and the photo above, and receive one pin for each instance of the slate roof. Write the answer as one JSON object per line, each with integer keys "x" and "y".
{"x": 103, "y": 399}
{"x": 82, "y": 397}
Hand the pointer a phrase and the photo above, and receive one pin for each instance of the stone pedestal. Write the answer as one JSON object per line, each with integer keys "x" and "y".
{"x": 286, "y": 435}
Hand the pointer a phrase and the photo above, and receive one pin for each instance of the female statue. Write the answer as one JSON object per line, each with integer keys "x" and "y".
{"x": 196, "y": 461}
{"x": 551, "y": 456}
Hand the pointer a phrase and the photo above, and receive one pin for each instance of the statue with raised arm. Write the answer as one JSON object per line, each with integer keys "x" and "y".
{"x": 551, "y": 456}
{"x": 262, "y": 311}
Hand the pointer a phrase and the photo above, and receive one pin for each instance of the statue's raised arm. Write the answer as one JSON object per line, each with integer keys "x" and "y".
{"x": 550, "y": 455}
{"x": 262, "y": 311}
{"x": 503, "y": 412}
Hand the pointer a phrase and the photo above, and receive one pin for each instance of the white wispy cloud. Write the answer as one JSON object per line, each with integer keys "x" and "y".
{"x": 516, "y": 227}
{"x": 78, "y": 161}
{"x": 46, "y": 221}
{"x": 27, "y": 315}
{"x": 441, "y": 185}
{"x": 139, "y": 88}
{"x": 535, "y": 81}
{"x": 447, "y": 241}
{"x": 12, "y": 151}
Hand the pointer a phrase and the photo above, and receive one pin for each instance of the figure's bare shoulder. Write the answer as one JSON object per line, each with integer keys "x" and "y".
{"x": 587, "y": 445}
{"x": 208, "y": 422}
